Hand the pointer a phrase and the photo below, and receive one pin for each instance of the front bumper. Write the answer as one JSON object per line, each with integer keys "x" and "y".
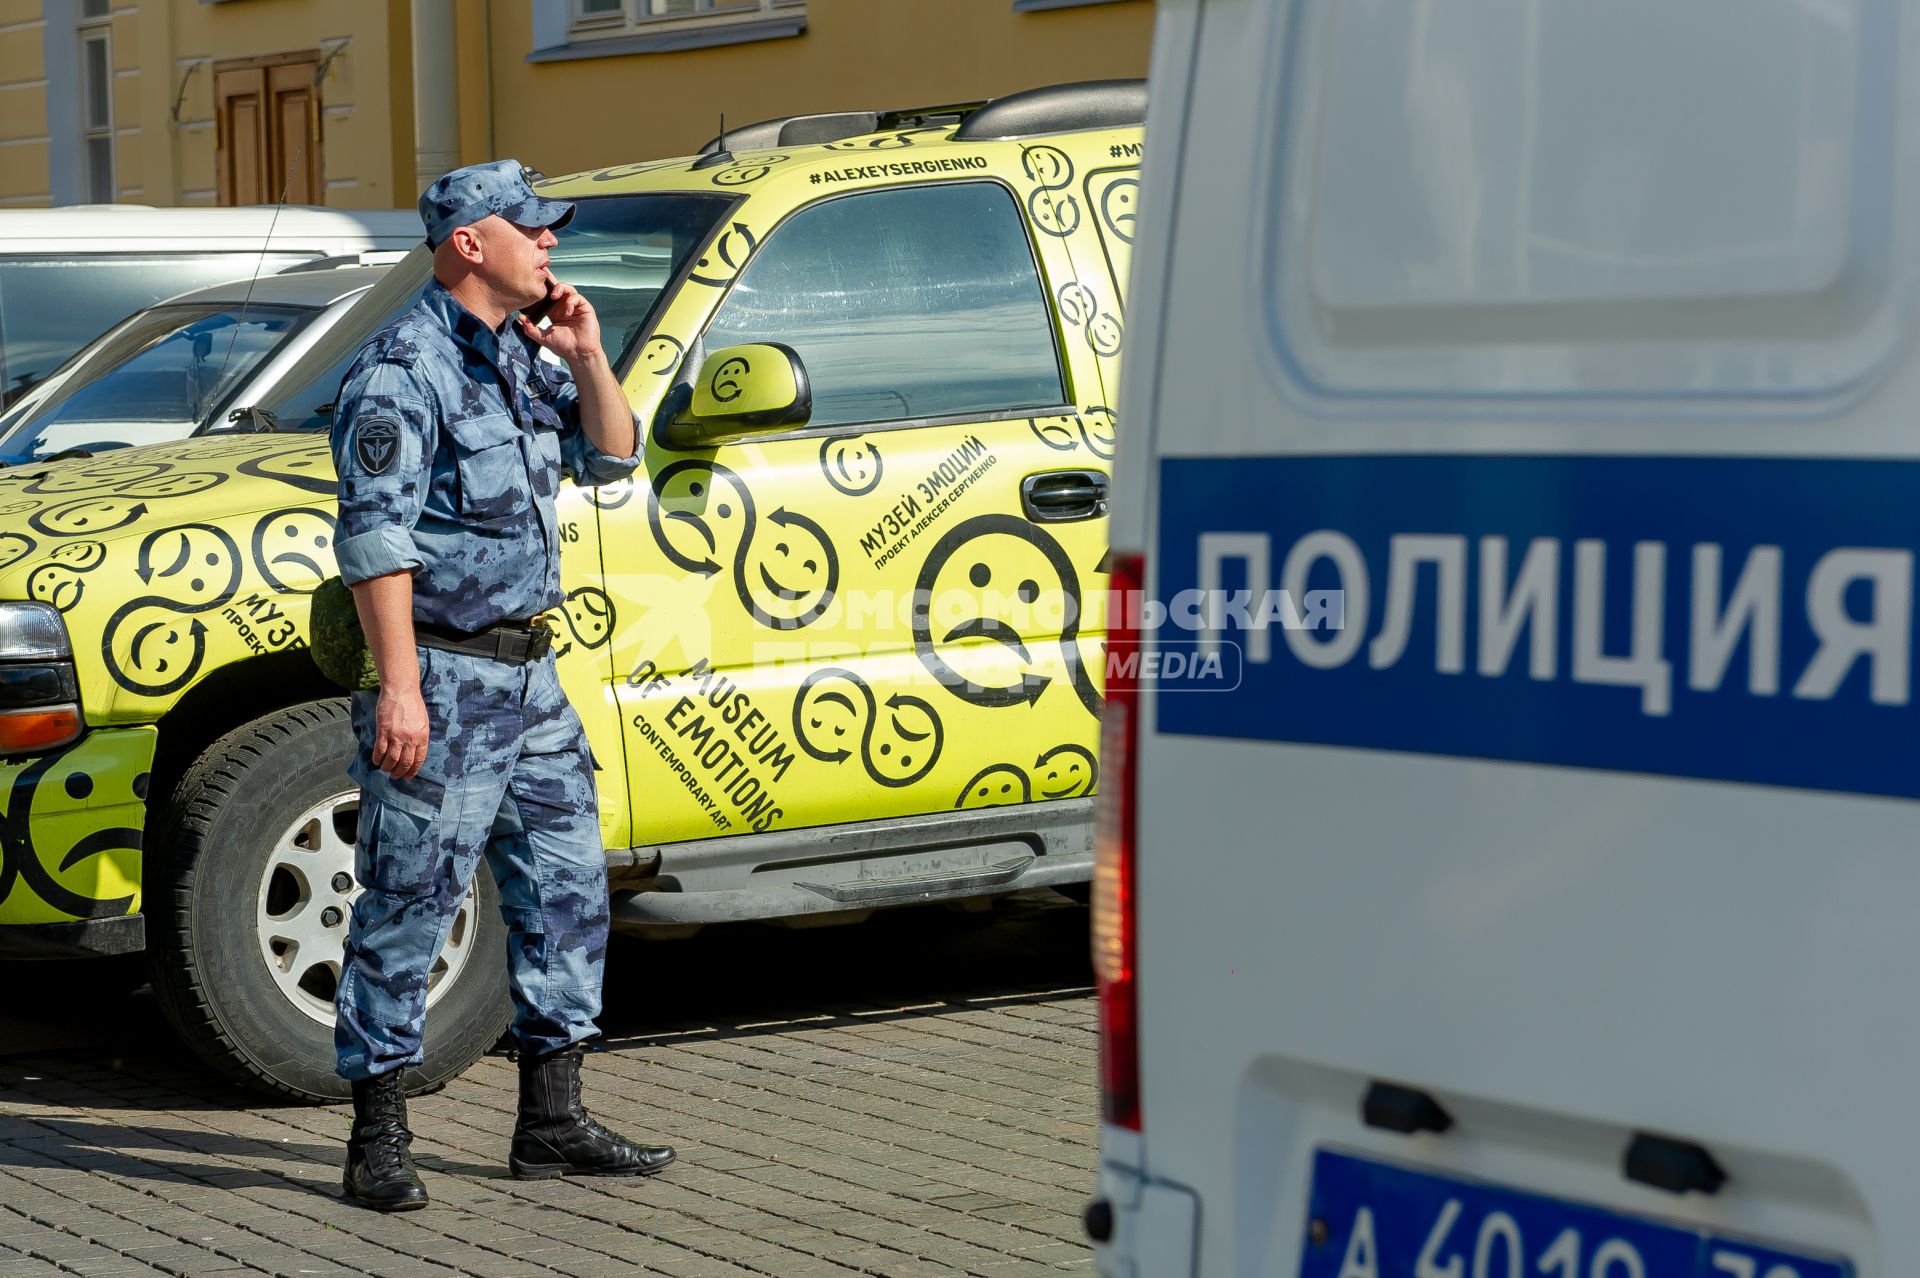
{"x": 70, "y": 844}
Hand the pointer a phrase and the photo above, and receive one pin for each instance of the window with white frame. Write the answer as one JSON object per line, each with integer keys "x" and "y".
{"x": 96, "y": 100}
{"x": 611, "y": 17}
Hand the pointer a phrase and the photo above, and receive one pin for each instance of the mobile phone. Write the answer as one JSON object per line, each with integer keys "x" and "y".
{"x": 538, "y": 311}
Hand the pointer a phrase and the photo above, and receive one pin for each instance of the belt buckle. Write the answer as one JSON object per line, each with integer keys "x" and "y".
{"x": 539, "y": 638}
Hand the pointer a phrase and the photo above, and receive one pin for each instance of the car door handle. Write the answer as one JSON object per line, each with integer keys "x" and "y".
{"x": 1056, "y": 496}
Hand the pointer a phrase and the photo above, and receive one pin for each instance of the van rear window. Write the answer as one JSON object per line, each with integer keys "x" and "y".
{"x": 1521, "y": 197}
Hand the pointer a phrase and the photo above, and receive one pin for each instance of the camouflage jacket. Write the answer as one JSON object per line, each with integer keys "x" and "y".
{"x": 450, "y": 439}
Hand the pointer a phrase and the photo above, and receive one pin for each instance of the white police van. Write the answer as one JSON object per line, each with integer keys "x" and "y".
{"x": 1548, "y": 902}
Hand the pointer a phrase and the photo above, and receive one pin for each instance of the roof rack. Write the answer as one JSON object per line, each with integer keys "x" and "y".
{"x": 1058, "y": 108}
{"x": 835, "y": 126}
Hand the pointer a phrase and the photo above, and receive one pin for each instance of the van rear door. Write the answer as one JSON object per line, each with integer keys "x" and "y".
{"x": 1532, "y": 392}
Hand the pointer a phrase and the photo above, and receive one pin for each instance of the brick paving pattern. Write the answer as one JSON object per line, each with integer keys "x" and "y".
{"x": 910, "y": 1097}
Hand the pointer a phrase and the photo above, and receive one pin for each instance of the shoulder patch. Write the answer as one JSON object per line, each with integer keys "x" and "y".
{"x": 376, "y": 442}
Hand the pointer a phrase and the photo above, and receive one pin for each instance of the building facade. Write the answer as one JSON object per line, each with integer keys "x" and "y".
{"x": 357, "y": 103}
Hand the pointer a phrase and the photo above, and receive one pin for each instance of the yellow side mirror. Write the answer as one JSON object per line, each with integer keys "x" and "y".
{"x": 760, "y": 385}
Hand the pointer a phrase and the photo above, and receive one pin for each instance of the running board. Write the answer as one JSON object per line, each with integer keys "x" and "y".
{"x": 863, "y": 866}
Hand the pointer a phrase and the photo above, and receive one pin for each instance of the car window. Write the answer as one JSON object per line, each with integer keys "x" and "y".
{"x": 53, "y": 304}
{"x": 922, "y": 302}
{"x": 154, "y": 377}
{"x": 620, "y": 251}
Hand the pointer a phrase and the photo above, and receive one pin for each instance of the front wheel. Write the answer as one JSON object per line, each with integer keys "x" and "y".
{"x": 250, "y": 906}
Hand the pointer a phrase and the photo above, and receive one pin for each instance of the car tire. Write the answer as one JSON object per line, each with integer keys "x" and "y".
{"x": 258, "y": 848}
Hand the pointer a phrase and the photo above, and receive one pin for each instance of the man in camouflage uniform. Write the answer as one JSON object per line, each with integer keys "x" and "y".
{"x": 450, "y": 439}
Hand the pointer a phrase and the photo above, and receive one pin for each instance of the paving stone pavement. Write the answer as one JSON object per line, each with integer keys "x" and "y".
{"x": 910, "y": 1097}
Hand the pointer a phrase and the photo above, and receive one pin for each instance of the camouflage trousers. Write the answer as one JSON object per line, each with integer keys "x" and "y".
{"x": 508, "y": 775}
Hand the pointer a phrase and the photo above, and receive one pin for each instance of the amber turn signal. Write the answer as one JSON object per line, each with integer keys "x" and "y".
{"x": 42, "y": 728}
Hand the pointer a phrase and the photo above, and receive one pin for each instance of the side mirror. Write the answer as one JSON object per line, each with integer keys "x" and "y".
{"x": 740, "y": 391}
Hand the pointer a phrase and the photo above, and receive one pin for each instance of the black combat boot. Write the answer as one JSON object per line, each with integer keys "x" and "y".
{"x": 554, "y": 1136}
{"x": 380, "y": 1172}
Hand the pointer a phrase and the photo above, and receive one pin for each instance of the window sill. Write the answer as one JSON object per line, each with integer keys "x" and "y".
{"x": 1039, "y": 6}
{"x": 705, "y": 37}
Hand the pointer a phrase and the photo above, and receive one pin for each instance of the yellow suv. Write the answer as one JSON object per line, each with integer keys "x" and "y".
{"x": 838, "y": 647}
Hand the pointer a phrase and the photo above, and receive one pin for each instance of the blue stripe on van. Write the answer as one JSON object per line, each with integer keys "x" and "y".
{"x": 1822, "y": 554}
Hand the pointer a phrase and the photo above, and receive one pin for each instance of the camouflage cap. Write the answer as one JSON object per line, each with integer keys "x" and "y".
{"x": 465, "y": 196}
{"x": 334, "y": 637}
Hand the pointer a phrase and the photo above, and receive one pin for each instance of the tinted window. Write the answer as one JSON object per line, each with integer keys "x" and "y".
{"x": 913, "y": 303}
{"x": 51, "y": 306}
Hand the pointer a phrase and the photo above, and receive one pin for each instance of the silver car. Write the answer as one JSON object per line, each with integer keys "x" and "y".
{"x": 184, "y": 366}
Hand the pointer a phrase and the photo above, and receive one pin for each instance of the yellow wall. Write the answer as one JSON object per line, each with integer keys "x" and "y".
{"x": 855, "y": 55}
{"x": 23, "y": 105}
{"x": 556, "y": 116}
{"x": 366, "y": 107}
{"x": 163, "y": 51}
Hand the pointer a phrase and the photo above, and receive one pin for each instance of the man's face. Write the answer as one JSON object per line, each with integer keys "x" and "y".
{"x": 513, "y": 259}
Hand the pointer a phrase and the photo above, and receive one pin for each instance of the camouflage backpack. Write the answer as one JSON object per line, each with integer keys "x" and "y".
{"x": 334, "y": 636}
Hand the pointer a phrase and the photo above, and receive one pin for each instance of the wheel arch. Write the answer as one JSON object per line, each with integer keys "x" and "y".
{"x": 235, "y": 694}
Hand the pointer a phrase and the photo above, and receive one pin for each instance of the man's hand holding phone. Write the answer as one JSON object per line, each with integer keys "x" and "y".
{"x": 574, "y": 330}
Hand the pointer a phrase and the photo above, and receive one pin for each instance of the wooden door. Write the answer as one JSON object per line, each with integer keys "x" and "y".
{"x": 267, "y": 113}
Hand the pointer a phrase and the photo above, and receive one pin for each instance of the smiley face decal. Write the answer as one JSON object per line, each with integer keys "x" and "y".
{"x": 789, "y": 575}
{"x": 1048, "y": 167}
{"x": 748, "y": 170}
{"x": 611, "y": 496}
{"x": 60, "y": 581}
{"x": 178, "y": 483}
{"x": 851, "y": 464}
{"x": 785, "y": 571}
{"x": 307, "y": 466}
{"x": 661, "y": 355}
{"x": 1077, "y": 303}
{"x": 1056, "y": 213}
{"x": 726, "y": 384}
{"x": 292, "y": 549}
{"x": 724, "y": 257}
{"x": 836, "y": 711}
{"x": 91, "y": 476}
{"x": 88, "y": 516}
{"x": 891, "y": 142}
{"x": 163, "y": 651}
{"x": 980, "y": 579}
{"x": 996, "y": 785}
{"x": 58, "y": 783}
{"x": 155, "y": 645}
{"x": 587, "y": 615}
{"x": 1104, "y": 335}
{"x": 14, "y": 547}
{"x": 1097, "y": 431}
{"x": 1066, "y": 772}
{"x": 700, "y": 513}
{"x": 1092, "y": 430}
{"x": 620, "y": 171}
{"x": 195, "y": 566}
{"x": 1119, "y": 206}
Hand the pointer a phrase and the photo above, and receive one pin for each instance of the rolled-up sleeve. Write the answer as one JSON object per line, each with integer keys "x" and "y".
{"x": 383, "y": 439}
{"x": 580, "y": 459}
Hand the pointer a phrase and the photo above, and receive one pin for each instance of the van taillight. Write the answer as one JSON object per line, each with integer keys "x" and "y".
{"x": 1114, "y": 833}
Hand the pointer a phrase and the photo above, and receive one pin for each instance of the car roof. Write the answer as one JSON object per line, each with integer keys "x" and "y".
{"x": 804, "y": 143}
{"x": 298, "y": 288}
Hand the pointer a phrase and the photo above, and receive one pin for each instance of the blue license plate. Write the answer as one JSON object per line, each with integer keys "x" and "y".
{"x": 1380, "y": 1221}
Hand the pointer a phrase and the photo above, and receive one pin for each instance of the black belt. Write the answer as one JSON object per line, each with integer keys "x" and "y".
{"x": 518, "y": 642}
